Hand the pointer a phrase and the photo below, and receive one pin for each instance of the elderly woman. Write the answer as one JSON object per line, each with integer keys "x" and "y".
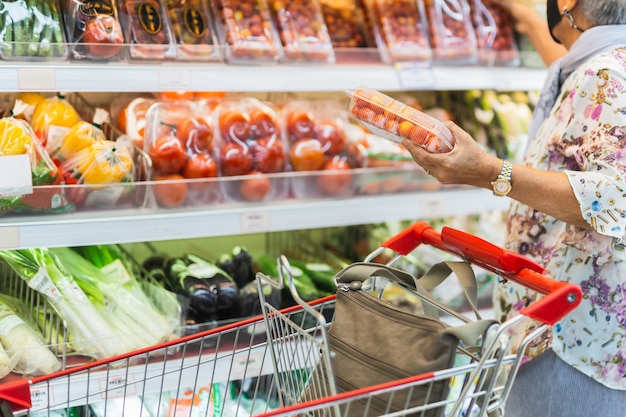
{"x": 568, "y": 212}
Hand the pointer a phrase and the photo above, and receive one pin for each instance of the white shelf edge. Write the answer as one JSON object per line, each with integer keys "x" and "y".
{"x": 119, "y": 77}
{"x": 126, "y": 226}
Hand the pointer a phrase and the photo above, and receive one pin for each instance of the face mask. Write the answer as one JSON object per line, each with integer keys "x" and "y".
{"x": 554, "y": 16}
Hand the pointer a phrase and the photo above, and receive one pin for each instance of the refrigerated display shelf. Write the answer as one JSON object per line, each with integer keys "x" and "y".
{"x": 145, "y": 225}
{"x": 116, "y": 77}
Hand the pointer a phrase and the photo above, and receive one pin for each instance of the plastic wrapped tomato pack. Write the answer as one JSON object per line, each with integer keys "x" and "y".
{"x": 247, "y": 30}
{"x": 95, "y": 30}
{"x": 147, "y": 30}
{"x": 452, "y": 35}
{"x": 346, "y": 23}
{"x": 320, "y": 154}
{"x": 401, "y": 30}
{"x": 252, "y": 151}
{"x": 193, "y": 30}
{"x": 302, "y": 31}
{"x": 179, "y": 140}
{"x": 495, "y": 36}
{"x": 31, "y": 30}
{"x": 395, "y": 121}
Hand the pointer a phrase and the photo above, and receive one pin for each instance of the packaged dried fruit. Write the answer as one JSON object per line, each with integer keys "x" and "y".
{"x": 320, "y": 155}
{"x": 252, "y": 151}
{"x": 193, "y": 30}
{"x": 148, "y": 30}
{"x": 247, "y": 31}
{"x": 401, "y": 30}
{"x": 395, "y": 121}
{"x": 302, "y": 31}
{"x": 94, "y": 29}
{"x": 346, "y": 24}
{"x": 452, "y": 35}
{"x": 495, "y": 37}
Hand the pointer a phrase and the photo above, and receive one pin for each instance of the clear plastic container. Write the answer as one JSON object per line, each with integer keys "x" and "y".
{"x": 179, "y": 139}
{"x": 147, "y": 30}
{"x": 395, "y": 121}
{"x": 251, "y": 150}
{"x": 32, "y": 31}
{"x": 302, "y": 31}
{"x": 401, "y": 30}
{"x": 346, "y": 24}
{"x": 193, "y": 29}
{"x": 495, "y": 36}
{"x": 452, "y": 34}
{"x": 247, "y": 31}
{"x": 320, "y": 154}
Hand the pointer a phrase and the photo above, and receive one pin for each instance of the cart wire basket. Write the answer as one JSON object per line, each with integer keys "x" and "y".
{"x": 479, "y": 381}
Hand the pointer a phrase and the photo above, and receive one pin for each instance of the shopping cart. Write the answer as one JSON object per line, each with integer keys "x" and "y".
{"x": 479, "y": 383}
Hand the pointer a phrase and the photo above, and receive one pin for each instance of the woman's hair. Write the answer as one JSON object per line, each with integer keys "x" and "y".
{"x": 605, "y": 12}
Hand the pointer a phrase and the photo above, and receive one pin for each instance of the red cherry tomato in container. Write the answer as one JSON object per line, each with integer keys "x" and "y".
{"x": 269, "y": 155}
{"x": 306, "y": 155}
{"x": 103, "y": 36}
{"x": 255, "y": 187}
{"x": 235, "y": 159}
{"x": 196, "y": 133}
{"x": 168, "y": 155}
{"x": 335, "y": 178}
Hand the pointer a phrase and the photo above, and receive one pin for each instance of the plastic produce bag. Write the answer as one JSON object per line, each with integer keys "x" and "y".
{"x": 103, "y": 162}
{"x": 52, "y": 117}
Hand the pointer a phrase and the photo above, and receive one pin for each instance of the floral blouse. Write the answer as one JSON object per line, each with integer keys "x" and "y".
{"x": 585, "y": 137}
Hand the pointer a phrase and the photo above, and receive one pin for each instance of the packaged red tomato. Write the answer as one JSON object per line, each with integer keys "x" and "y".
{"x": 346, "y": 24}
{"x": 495, "y": 36}
{"x": 252, "y": 151}
{"x": 179, "y": 140}
{"x": 247, "y": 31}
{"x": 452, "y": 35}
{"x": 320, "y": 155}
{"x": 148, "y": 31}
{"x": 193, "y": 30}
{"x": 395, "y": 121}
{"x": 401, "y": 30}
{"x": 302, "y": 31}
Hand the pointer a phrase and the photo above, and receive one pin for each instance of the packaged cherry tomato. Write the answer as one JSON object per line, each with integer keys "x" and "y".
{"x": 495, "y": 36}
{"x": 247, "y": 30}
{"x": 321, "y": 157}
{"x": 346, "y": 24}
{"x": 395, "y": 121}
{"x": 194, "y": 31}
{"x": 401, "y": 30}
{"x": 452, "y": 35}
{"x": 179, "y": 139}
{"x": 147, "y": 30}
{"x": 302, "y": 31}
{"x": 252, "y": 151}
{"x": 94, "y": 30}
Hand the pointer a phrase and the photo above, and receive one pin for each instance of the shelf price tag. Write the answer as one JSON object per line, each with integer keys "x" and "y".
{"x": 9, "y": 237}
{"x": 415, "y": 75}
{"x": 36, "y": 79}
{"x": 175, "y": 80}
{"x": 256, "y": 221}
{"x": 39, "y": 398}
{"x": 117, "y": 386}
{"x": 15, "y": 175}
{"x": 431, "y": 205}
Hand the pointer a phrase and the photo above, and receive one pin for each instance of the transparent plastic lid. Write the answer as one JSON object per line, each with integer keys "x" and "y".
{"x": 396, "y": 121}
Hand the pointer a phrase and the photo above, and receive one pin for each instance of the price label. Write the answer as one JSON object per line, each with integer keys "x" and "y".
{"x": 117, "y": 386}
{"x": 258, "y": 221}
{"x": 36, "y": 79}
{"x": 9, "y": 237}
{"x": 415, "y": 75}
{"x": 432, "y": 205}
{"x": 175, "y": 80}
{"x": 15, "y": 175}
{"x": 247, "y": 364}
{"x": 39, "y": 398}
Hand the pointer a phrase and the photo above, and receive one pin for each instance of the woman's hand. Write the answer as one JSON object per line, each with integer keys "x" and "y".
{"x": 466, "y": 164}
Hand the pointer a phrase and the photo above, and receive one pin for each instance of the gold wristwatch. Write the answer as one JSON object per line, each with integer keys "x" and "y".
{"x": 502, "y": 184}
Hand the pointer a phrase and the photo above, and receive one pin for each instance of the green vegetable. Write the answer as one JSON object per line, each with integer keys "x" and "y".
{"x": 303, "y": 283}
{"x": 321, "y": 274}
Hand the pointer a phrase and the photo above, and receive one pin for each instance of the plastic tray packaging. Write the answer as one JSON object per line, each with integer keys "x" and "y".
{"x": 147, "y": 30}
{"x": 247, "y": 31}
{"x": 194, "y": 31}
{"x": 395, "y": 121}
{"x": 94, "y": 30}
{"x": 179, "y": 139}
{"x": 31, "y": 30}
{"x": 401, "y": 30}
{"x": 495, "y": 36}
{"x": 302, "y": 31}
{"x": 345, "y": 20}
{"x": 452, "y": 34}
{"x": 320, "y": 155}
{"x": 252, "y": 151}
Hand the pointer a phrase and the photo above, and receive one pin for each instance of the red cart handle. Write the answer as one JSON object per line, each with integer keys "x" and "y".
{"x": 560, "y": 297}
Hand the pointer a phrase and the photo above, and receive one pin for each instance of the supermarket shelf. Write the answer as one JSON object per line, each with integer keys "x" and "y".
{"x": 143, "y": 225}
{"x": 117, "y": 77}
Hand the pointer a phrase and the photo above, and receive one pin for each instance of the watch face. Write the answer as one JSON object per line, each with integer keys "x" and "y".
{"x": 502, "y": 186}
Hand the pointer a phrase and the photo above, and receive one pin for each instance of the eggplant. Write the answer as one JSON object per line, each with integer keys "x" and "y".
{"x": 243, "y": 268}
{"x": 251, "y": 303}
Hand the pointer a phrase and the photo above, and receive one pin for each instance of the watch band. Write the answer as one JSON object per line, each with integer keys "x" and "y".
{"x": 502, "y": 184}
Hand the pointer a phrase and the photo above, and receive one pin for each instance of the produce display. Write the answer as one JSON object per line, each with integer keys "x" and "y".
{"x": 149, "y": 35}
{"x": 394, "y": 120}
{"x": 94, "y": 29}
{"x": 452, "y": 36}
{"x": 401, "y": 30}
{"x": 31, "y": 30}
{"x": 193, "y": 29}
{"x": 346, "y": 23}
{"x": 495, "y": 36}
{"x": 302, "y": 31}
